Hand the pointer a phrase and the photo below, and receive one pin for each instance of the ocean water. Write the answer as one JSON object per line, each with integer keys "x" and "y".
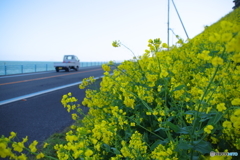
{"x": 18, "y": 67}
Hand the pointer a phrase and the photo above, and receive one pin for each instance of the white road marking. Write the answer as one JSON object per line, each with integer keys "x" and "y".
{"x": 41, "y": 92}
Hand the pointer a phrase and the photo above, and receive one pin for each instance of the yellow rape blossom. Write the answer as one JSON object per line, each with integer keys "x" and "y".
{"x": 204, "y": 55}
{"x": 227, "y": 124}
{"x": 148, "y": 113}
{"x": 236, "y": 102}
{"x": 159, "y": 88}
{"x": 32, "y": 146}
{"x": 214, "y": 37}
{"x": 221, "y": 107}
{"x": 237, "y": 112}
{"x": 132, "y": 124}
{"x": 129, "y": 102}
{"x": 40, "y": 155}
{"x": 115, "y": 44}
{"x": 12, "y": 135}
{"x": 164, "y": 73}
{"x": 226, "y": 25}
{"x": 217, "y": 61}
{"x": 45, "y": 145}
{"x": 18, "y": 146}
{"x": 236, "y": 124}
{"x": 22, "y": 157}
{"x": 226, "y": 37}
{"x": 164, "y": 45}
{"x": 88, "y": 153}
{"x": 74, "y": 116}
{"x": 208, "y": 129}
{"x": 236, "y": 58}
{"x": 106, "y": 67}
{"x": 159, "y": 119}
{"x": 150, "y": 41}
{"x": 214, "y": 140}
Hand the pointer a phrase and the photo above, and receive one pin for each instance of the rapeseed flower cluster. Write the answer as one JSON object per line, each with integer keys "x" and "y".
{"x": 172, "y": 102}
{"x": 9, "y": 148}
{"x": 208, "y": 129}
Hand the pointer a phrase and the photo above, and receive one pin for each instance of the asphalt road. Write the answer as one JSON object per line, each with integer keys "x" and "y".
{"x": 40, "y": 116}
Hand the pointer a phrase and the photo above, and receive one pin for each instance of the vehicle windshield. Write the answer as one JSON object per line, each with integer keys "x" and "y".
{"x": 69, "y": 57}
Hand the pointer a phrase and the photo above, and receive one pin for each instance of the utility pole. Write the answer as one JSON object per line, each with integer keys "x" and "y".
{"x": 168, "y": 24}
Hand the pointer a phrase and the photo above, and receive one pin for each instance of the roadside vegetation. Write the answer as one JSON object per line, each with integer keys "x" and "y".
{"x": 174, "y": 104}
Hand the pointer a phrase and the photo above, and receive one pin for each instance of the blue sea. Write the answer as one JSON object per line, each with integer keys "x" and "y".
{"x": 18, "y": 67}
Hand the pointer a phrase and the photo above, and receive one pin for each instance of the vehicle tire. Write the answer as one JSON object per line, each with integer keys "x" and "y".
{"x": 67, "y": 69}
{"x": 57, "y": 70}
{"x": 76, "y": 68}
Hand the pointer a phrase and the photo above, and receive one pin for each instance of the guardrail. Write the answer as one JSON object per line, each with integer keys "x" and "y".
{"x": 28, "y": 68}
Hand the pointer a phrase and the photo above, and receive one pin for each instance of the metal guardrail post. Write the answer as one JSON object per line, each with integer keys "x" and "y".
{"x": 22, "y": 68}
{"x": 5, "y": 70}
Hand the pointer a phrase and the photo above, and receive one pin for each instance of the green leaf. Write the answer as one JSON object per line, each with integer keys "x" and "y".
{"x": 185, "y": 130}
{"x": 173, "y": 126}
{"x": 204, "y": 119}
{"x": 190, "y": 112}
{"x": 107, "y": 147}
{"x": 216, "y": 118}
{"x": 178, "y": 88}
{"x": 161, "y": 128}
{"x": 170, "y": 118}
{"x": 202, "y": 147}
{"x": 143, "y": 102}
{"x": 155, "y": 144}
{"x": 183, "y": 146}
{"x": 115, "y": 150}
{"x": 145, "y": 137}
{"x": 199, "y": 133}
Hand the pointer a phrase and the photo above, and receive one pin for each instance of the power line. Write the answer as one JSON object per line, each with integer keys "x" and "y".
{"x": 169, "y": 22}
{"x": 180, "y": 19}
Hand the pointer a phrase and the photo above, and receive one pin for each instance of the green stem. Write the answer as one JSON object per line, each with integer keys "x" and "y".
{"x": 128, "y": 49}
{"x": 145, "y": 128}
{"x": 37, "y": 154}
{"x": 133, "y": 55}
{"x": 196, "y": 114}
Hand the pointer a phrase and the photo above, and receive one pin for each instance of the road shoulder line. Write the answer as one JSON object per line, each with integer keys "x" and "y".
{"x": 41, "y": 92}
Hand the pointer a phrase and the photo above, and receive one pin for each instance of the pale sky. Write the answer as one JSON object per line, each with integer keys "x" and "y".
{"x": 45, "y": 30}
